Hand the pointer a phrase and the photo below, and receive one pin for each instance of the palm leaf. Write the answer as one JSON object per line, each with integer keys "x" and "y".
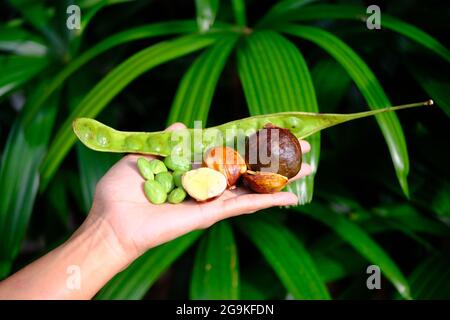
{"x": 361, "y": 241}
{"x": 331, "y": 83}
{"x": 239, "y": 12}
{"x": 359, "y": 13}
{"x": 195, "y": 92}
{"x": 19, "y": 180}
{"x": 17, "y": 70}
{"x": 435, "y": 86}
{"x": 369, "y": 87}
{"x": 18, "y": 41}
{"x": 134, "y": 282}
{"x": 133, "y": 34}
{"x": 216, "y": 271}
{"x": 293, "y": 264}
{"x": 17, "y": 149}
{"x": 280, "y": 9}
{"x": 430, "y": 279}
{"x": 206, "y": 13}
{"x": 111, "y": 85}
{"x": 38, "y": 16}
{"x": 275, "y": 78}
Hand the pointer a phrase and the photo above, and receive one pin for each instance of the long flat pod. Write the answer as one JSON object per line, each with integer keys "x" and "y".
{"x": 100, "y": 137}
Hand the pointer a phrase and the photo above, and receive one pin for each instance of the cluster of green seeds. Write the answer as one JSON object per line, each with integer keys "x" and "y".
{"x": 163, "y": 179}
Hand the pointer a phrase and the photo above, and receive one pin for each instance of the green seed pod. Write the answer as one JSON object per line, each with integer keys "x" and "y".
{"x": 178, "y": 163}
{"x": 177, "y": 195}
{"x": 145, "y": 169}
{"x": 155, "y": 192}
{"x": 100, "y": 137}
{"x": 166, "y": 180}
{"x": 177, "y": 178}
{"x": 157, "y": 166}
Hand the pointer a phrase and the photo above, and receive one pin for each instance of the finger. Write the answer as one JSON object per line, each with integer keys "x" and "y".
{"x": 306, "y": 147}
{"x": 305, "y": 170}
{"x": 249, "y": 203}
{"x": 175, "y": 126}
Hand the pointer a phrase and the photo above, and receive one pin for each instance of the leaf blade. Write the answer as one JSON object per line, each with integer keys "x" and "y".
{"x": 206, "y": 13}
{"x": 275, "y": 78}
{"x": 239, "y": 12}
{"x": 370, "y": 88}
{"x": 195, "y": 93}
{"x": 137, "y": 33}
{"x": 293, "y": 265}
{"x": 361, "y": 242}
{"x": 111, "y": 85}
{"x": 19, "y": 180}
{"x": 17, "y": 70}
{"x": 216, "y": 272}
{"x": 429, "y": 280}
{"x": 348, "y": 12}
{"x": 134, "y": 282}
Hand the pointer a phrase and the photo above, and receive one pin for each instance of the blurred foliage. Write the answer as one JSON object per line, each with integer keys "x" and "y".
{"x": 138, "y": 64}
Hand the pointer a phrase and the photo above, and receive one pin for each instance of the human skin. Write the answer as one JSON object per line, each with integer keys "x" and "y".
{"x": 122, "y": 224}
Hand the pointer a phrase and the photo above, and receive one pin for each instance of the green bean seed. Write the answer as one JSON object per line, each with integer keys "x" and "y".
{"x": 98, "y": 136}
{"x": 157, "y": 166}
{"x": 177, "y": 195}
{"x": 166, "y": 180}
{"x": 155, "y": 192}
{"x": 177, "y": 178}
{"x": 178, "y": 163}
{"x": 145, "y": 169}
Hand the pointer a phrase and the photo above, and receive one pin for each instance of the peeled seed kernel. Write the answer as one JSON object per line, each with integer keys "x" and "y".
{"x": 204, "y": 183}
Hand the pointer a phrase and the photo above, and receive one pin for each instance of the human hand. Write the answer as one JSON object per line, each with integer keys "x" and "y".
{"x": 137, "y": 225}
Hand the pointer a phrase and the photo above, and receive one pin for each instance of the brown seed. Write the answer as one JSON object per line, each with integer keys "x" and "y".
{"x": 264, "y": 182}
{"x": 204, "y": 183}
{"x": 274, "y": 149}
{"x": 227, "y": 161}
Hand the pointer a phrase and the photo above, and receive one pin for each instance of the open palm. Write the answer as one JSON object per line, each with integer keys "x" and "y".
{"x": 139, "y": 225}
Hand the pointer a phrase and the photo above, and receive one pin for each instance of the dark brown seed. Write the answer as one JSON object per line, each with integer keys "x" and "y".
{"x": 274, "y": 149}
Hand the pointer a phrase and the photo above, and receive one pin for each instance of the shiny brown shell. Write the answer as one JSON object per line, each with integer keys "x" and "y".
{"x": 281, "y": 152}
{"x": 264, "y": 182}
{"x": 227, "y": 161}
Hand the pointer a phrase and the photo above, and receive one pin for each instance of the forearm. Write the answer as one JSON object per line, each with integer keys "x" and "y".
{"x": 75, "y": 270}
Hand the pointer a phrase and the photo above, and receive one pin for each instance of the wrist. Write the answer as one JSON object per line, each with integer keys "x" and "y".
{"x": 77, "y": 269}
{"x": 100, "y": 236}
{"x": 92, "y": 256}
